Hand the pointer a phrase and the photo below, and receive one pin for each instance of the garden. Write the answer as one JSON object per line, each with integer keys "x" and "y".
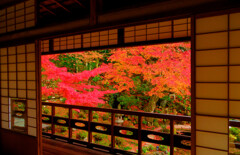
{"x": 153, "y": 78}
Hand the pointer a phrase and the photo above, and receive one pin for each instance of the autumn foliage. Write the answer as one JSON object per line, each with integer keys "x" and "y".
{"x": 144, "y": 78}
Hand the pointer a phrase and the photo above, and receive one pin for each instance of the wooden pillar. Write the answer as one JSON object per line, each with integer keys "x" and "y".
{"x": 93, "y": 12}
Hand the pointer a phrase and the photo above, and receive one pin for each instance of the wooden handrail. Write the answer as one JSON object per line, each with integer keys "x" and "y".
{"x": 128, "y": 112}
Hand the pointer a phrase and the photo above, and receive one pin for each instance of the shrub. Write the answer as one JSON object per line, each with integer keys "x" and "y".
{"x": 155, "y": 123}
{"x": 45, "y": 110}
{"x": 82, "y": 115}
{"x": 99, "y": 137}
{"x": 105, "y": 117}
{"x": 148, "y": 148}
{"x": 95, "y": 116}
{"x": 127, "y": 148}
{"x": 63, "y": 129}
{"x": 163, "y": 148}
{"x": 144, "y": 122}
{"x": 81, "y": 135}
{"x": 235, "y": 132}
{"x": 119, "y": 141}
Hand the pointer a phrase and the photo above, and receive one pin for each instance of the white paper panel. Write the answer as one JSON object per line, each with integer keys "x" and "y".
{"x": 31, "y": 75}
{"x": 212, "y": 140}
{"x": 4, "y": 117}
{"x": 234, "y": 21}
{"x": 31, "y": 103}
{"x": 212, "y": 24}
{"x": 32, "y": 131}
{"x": 205, "y": 151}
{"x": 13, "y": 93}
{"x": 234, "y": 90}
{"x": 31, "y": 66}
{"x": 214, "y": 124}
{"x": 32, "y": 122}
{"x": 21, "y": 75}
{"x": 4, "y": 68}
{"x": 234, "y": 56}
{"x": 21, "y": 49}
{"x": 31, "y": 57}
{"x": 212, "y": 107}
{"x": 4, "y": 92}
{"x": 211, "y": 74}
{"x": 234, "y": 107}
{"x": 21, "y": 58}
{"x": 4, "y": 108}
{"x": 31, "y": 94}
{"x": 5, "y": 125}
{"x": 212, "y": 41}
{"x": 22, "y": 93}
{"x": 234, "y": 73}
{"x": 31, "y": 85}
{"x": 32, "y": 113}
{"x": 213, "y": 91}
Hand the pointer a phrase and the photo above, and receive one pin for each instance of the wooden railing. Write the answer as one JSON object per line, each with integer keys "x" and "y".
{"x": 139, "y": 134}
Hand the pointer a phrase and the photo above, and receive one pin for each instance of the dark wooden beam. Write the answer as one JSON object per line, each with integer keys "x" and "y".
{"x": 60, "y": 5}
{"x": 48, "y": 10}
{"x": 93, "y": 12}
{"x": 79, "y": 3}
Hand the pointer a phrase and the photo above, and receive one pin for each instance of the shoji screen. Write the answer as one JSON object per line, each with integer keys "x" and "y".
{"x": 217, "y": 81}
{"x": 85, "y": 40}
{"x": 17, "y": 17}
{"x": 159, "y": 30}
{"x": 18, "y": 80}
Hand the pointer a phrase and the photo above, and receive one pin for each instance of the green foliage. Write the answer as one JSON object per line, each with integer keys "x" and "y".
{"x": 96, "y": 78}
{"x": 235, "y": 133}
{"x": 127, "y": 148}
{"x": 99, "y": 137}
{"x": 126, "y": 100}
{"x": 156, "y": 124}
{"x": 45, "y": 110}
{"x": 163, "y": 148}
{"x": 82, "y": 115}
{"x": 95, "y": 116}
{"x": 148, "y": 148}
{"x": 106, "y": 116}
{"x": 63, "y": 99}
{"x": 144, "y": 122}
{"x": 119, "y": 141}
{"x": 68, "y": 60}
{"x": 81, "y": 135}
{"x": 63, "y": 129}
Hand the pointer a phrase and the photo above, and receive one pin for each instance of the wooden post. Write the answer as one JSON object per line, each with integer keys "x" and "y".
{"x": 139, "y": 134}
{"x": 171, "y": 137}
{"x": 89, "y": 127}
{"x": 112, "y": 132}
{"x": 53, "y": 126}
{"x": 93, "y": 12}
{"x": 69, "y": 125}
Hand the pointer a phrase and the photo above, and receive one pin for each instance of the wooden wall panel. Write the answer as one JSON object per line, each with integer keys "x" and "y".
{"x": 12, "y": 143}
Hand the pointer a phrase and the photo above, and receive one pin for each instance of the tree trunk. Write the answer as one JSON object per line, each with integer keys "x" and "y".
{"x": 150, "y": 107}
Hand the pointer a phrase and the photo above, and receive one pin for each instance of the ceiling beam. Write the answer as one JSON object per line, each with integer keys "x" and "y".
{"x": 48, "y": 10}
{"x": 79, "y": 3}
{"x": 60, "y": 5}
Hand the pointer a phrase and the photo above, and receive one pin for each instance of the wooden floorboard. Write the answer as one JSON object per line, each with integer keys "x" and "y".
{"x": 54, "y": 147}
